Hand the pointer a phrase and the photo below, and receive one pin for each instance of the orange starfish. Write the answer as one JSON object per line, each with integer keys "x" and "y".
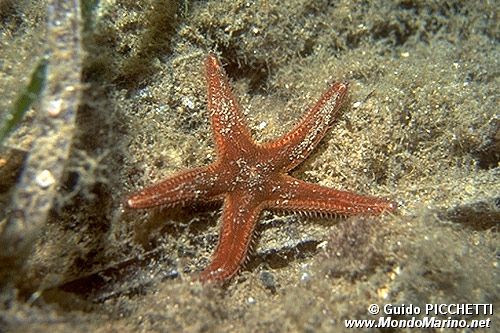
{"x": 249, "y": 177}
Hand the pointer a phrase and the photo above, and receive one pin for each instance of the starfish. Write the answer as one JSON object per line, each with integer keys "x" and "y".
{"x": 250, "y": 177}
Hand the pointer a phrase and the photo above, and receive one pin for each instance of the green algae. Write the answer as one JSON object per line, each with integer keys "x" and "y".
{"x": 26, "y": 98}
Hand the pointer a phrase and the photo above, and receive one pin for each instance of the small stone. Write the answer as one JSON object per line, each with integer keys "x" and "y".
{"x": 55, "y": 107}
{"x": 268, "y": 280}
{"x": 305, "y": 277}
{"x": 262, "y": 125}
{"x": 45, "y": 179}
{"x": 188, "y": 102}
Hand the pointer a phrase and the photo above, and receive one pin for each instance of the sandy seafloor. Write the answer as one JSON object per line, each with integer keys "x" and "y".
{"x": 421, "y": 128}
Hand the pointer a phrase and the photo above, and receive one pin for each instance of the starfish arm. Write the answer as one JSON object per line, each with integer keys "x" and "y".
{"x": 291, "y": 149}
{"x": 232, "y": 135}
{"x": 296, "y": 195}
{"x": 239, "y": 216}
{"x": 194, "y": 185}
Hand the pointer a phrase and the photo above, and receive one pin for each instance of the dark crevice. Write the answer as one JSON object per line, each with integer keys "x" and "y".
{"x": 397, "y": 32}
{"x": 132, "y": 68}
{"x": 9, "y": 14}
{"x": 477, "y": 216}
{"x": 280, "y": 258}
{"x": 256, "y": 73}
{"x": 102, "y": 284}
{"x": 488, "y": 153}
